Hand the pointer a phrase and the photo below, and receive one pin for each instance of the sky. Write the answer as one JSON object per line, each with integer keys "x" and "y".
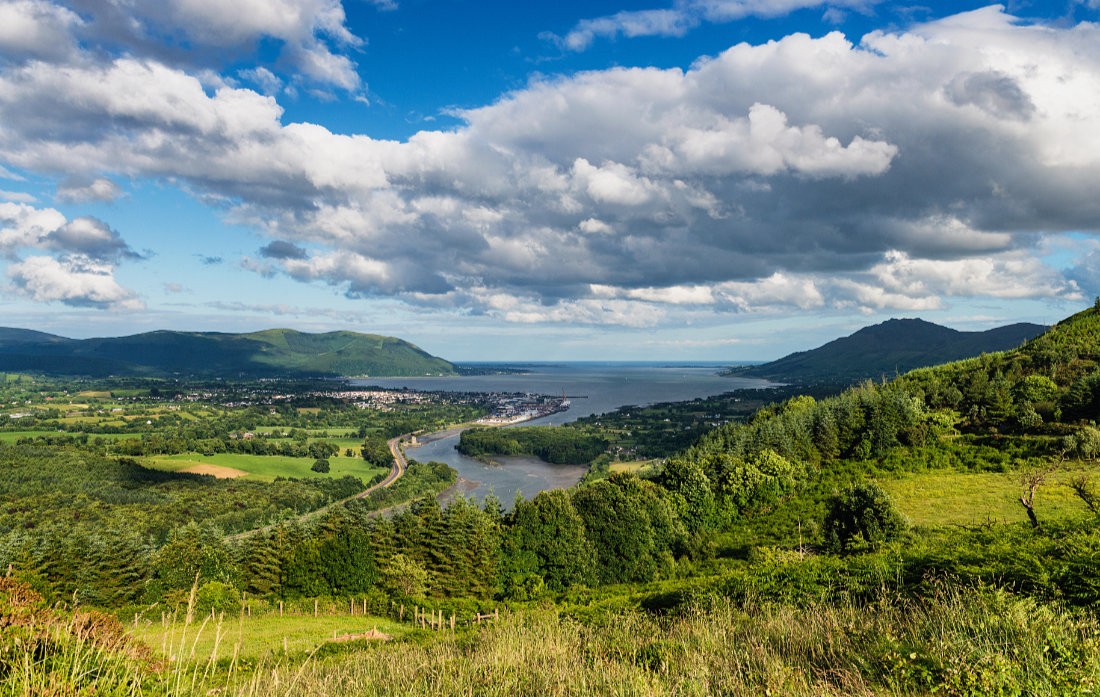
{"x": 603, "y": 180}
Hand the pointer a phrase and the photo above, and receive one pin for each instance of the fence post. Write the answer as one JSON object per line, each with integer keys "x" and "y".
{"x": 315, "y": 607}
{"x": 281, "y": 609}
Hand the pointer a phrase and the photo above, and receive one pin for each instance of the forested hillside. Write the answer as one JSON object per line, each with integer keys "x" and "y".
{"x": 270, "y": 353}
{"x": 888, "y": 350}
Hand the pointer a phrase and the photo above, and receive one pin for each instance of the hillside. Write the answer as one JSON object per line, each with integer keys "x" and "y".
{"x": 274, "y": 352}
{"x": 888, "y": 349}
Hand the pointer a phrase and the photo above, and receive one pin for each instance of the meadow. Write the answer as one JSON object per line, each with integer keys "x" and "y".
{"x": 266, "y": 468}
{"x": 945, "y": 498}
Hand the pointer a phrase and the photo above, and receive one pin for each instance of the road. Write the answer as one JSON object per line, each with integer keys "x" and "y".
{"x": 397, "y": 470}
{"x": 400, "y": 464}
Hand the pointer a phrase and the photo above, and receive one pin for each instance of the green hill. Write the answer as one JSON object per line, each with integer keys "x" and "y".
{"x": 274, "y": 352}
{"x": 888, "y": 349}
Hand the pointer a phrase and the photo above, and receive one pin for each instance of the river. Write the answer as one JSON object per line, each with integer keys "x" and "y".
{"x": 592, "y": 388}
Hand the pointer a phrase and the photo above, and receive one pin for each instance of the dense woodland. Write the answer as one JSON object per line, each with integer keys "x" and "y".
{"x": 789, "y": 508}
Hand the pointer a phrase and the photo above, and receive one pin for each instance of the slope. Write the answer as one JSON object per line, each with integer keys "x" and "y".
{"x": 888, "y": 349}
{"x": 270, "y": 353}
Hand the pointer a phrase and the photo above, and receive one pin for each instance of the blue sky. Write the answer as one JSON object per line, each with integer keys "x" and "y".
{"x": 690, "y": 179}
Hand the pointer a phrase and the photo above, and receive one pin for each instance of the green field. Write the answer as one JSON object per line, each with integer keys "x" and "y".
{"x": 971, "y": 498}
{"x": 266, "y": 468}
{"x": 253, "y": 638}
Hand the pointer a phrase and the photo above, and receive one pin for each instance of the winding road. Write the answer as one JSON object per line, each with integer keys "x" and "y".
{"x": 400, "y": 464}
{"x": 397, "y": 470}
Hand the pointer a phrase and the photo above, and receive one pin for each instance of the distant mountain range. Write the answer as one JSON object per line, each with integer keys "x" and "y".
{"x": 274, "y": 352}
{"x": 896, "y": 346}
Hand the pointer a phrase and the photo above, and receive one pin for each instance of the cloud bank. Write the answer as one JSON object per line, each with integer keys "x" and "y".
{"x": 892, "y": 173}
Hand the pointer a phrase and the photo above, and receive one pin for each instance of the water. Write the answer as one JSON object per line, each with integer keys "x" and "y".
{"x": 592, "y": 388}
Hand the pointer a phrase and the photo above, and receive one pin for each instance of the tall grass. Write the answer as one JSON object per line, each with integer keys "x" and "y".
{"x": 954, "y": 641}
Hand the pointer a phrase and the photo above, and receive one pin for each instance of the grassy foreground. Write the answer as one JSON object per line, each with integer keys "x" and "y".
{"x": 953, "y": 642}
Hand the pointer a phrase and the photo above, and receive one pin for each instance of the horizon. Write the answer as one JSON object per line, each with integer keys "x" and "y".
{"x": 520, "y": 362}
{"x": 720, "y": 181}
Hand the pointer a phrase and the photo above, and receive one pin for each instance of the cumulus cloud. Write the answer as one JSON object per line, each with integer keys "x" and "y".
{"x": 82, "y": 273}
{"x": 75, "y": 280}
{"x": 892, "y": 172}
{"x": 36, "y": 29}
{"x": 206, "y": 34}
{"x": 23, "y": 226}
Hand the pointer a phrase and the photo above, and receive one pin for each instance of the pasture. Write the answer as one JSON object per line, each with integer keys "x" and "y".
{"x": 266, "y": 468}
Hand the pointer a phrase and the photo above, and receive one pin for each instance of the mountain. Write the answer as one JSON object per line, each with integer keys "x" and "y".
{"x": 270, "y": 353}
{"x": 888, "y": 349}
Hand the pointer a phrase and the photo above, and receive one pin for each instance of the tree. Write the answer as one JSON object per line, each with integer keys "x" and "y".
{"x": 405, "y": 577}
{"x": 320, "y": 465}
{"x": 861, "y": 515}
{"x": 546, "y": 536}
{"x": 694, "y": 496}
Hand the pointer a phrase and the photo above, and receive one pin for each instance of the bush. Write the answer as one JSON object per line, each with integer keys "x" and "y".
{"x": 861, "y": 516}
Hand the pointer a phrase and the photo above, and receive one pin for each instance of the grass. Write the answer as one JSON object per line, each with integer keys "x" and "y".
{"x": 633, "y": 467}
{"x": 266, "y": 468}
{"x": 969, "y": 498}
{"x": 257, "y": 637}
{"x": 953, "y": 641}
{"x": 975, "y": 642}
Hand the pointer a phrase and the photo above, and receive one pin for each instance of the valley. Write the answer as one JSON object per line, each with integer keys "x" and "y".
{"x": 954, "y": 496}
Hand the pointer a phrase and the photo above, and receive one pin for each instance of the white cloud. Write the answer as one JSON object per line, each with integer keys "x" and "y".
{"x": 203, "y": 34}
{"x": 99, "y": 189}
{"x": 36, "y": 29}
{"x": 17, "y": 196}
{"x": 773, "y": 176}
{"x": 23, "y": 226}
{"x": 8, "y": 174}
{"x": 77, "y": 281}
{"x": 686, "y": 15}
{"x": 1011, "y": 275}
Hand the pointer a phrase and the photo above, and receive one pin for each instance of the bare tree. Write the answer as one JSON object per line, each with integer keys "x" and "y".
{"x": 1032, "y": 479}
{"x": 1086, "y": 491}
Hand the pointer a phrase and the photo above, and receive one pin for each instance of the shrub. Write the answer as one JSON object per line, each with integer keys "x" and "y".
{"x": 861, "y": 516}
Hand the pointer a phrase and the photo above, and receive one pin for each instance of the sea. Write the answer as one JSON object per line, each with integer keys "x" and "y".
{"x": 591, "y": 387}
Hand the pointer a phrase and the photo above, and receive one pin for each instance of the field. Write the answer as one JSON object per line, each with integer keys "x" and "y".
{"x": 634, "y": 467}
{"x": 257, "y": 637}
{"x": 266, "y": 468}
{"x": 974, "y": 498}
